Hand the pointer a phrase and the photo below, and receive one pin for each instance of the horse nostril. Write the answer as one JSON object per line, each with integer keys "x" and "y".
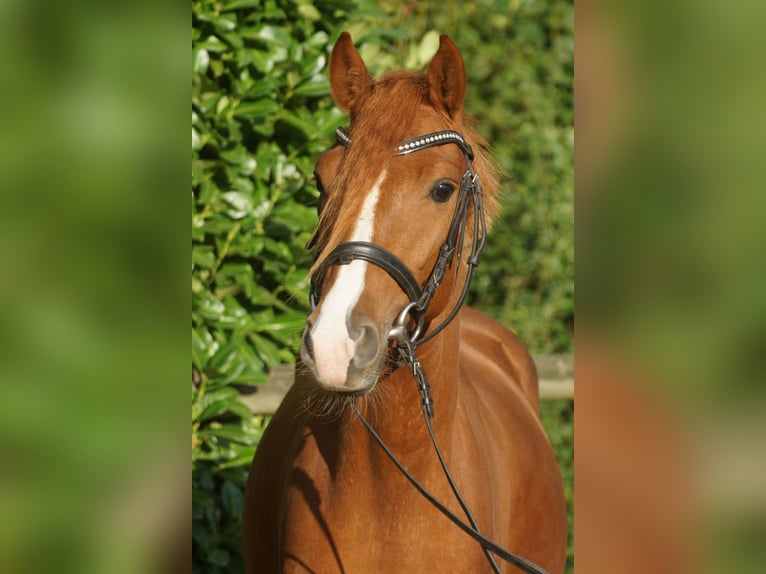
{"x": 365, "y": 346}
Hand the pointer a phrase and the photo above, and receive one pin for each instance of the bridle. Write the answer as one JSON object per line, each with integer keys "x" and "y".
{"x": 420, "y": 296}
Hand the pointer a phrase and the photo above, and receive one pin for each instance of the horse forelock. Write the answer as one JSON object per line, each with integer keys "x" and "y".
{"x": 379, "y": 122}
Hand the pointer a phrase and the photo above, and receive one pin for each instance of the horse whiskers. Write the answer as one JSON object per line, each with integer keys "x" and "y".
{"x": 331, "y": 406}
{"x": 328, "y": 405}
{"x": 301, "y": 369}
{"x": 374, "y": 402}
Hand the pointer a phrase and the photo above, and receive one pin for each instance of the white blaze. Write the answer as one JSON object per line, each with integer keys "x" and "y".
{"x": 333, "y": 347}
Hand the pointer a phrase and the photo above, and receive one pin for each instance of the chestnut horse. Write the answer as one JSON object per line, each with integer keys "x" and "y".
{"x": 322, "y": 494}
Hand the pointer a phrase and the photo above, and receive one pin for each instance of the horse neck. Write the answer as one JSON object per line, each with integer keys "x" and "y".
{"x": 395, "y": 412}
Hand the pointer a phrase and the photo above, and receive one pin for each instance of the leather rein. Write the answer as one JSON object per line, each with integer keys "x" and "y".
{"x": 420, "y": 296}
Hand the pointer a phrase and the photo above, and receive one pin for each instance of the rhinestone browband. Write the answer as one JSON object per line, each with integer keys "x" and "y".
{"x": 418, "y": 143}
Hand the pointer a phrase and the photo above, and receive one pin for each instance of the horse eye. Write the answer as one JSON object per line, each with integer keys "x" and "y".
{"x": 442, "y": 191}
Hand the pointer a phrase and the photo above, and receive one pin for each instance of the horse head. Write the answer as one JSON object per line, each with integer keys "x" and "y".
{"x": 393, "y": 189}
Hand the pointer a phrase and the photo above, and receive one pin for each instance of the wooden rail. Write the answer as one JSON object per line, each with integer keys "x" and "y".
{"x": 555, "y": 372}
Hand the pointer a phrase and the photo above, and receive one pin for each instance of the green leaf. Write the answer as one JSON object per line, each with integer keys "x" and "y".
{"x": 200, "y": 60}
{"x": 232, "y": 432}
{"x": 308, "y": 127}
{"x": 219, "y": 556}
{"x": 231, "y": 496}
{"x": 212, "y": 44}
{"x": 239, "y": 4}
{"x": 309, "y": 11}
{"x": 202, "y": 347}
{"x": 241, "y": 202}
{"x": 275, "y": 35}
{"x": 242, "y": 410}
{"x": 289, "y": 323}
{"x": 243, "y": 458}
{"x": 259, "y": 108}
{"x": 218, "y": 406}
{"x": 316, "y": 86}
{"x": 267, "y": 350}
{"x": 203, "y": 256}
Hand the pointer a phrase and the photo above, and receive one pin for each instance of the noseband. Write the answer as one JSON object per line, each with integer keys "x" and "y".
{"x": 419, "y": 296}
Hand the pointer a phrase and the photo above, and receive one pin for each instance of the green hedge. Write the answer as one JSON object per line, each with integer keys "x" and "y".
{"x": 261, "y": 113}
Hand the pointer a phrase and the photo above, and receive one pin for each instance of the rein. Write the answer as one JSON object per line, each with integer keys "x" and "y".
{"x": 420, "y": 297}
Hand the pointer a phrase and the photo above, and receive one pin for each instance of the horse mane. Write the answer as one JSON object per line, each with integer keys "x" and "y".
{"x": 379, "y": 122}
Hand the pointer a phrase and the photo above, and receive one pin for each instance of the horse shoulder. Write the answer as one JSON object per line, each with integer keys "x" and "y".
{"x": 498, "y": 408}
{"x": 487, "y": 343}
{"x": 267, "y": 486}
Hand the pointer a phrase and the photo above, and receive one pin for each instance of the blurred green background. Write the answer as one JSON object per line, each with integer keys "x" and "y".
{"x": 94, "y": 297}
{"x": 261, "y": 114}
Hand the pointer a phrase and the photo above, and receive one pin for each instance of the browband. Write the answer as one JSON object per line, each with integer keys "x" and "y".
{"x": 418, "y": 143}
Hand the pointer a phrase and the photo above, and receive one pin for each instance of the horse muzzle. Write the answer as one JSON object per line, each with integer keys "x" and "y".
{"x": 347, "y": 360}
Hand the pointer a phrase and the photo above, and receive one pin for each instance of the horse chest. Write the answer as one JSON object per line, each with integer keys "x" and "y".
{"x": 366, "y": 518}
{"x": 381, "y": 535}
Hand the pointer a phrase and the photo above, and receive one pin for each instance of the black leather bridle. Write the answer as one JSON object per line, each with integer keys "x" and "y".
{"x": 420, "y": 297}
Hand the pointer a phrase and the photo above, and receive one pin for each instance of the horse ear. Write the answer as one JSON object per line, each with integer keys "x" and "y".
{"x": 349, "y": 79}
{"x": 446, "y": 77}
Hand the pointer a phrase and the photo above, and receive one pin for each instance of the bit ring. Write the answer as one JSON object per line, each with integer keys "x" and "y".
{"x": 398, "y": 330}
